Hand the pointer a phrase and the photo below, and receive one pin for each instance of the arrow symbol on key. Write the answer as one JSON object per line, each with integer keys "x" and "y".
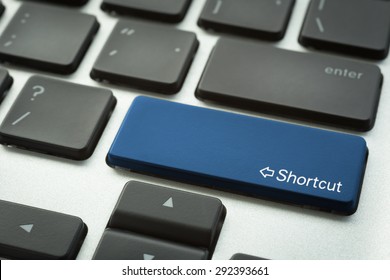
{"x": 27, "y": 228}
{"x": 169, "y": 203}
{"x": 267, "y": 172}
{"x": 148, "y": 257}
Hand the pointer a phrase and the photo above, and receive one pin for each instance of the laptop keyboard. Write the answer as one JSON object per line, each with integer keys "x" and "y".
{"x": 188, "y": 182}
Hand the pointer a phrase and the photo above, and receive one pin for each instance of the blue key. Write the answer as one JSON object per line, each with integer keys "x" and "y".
{"x": 273, "y": 160}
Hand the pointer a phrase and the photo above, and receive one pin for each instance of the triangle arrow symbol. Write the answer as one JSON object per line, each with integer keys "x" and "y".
{"x": 27, "y": 228}
{"x": 169, "y": 203}
{"x": 148, "y": 257}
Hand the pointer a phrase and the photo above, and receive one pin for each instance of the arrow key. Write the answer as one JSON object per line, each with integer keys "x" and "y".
{"x": 33, "y": 233}
{"x": 121, "y": 245}
{"x": 169, "y": 214}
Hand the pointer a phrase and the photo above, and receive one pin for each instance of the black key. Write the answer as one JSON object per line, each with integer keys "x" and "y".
{"x": 122, "y": 245}
{"x": 33, "y": 233}
{"x": 5, "y": 83}
{"x": 266, "y": 19}
{"x": 63, "y": 2}
{"x": 166, "y": 10}
{"x": 47, "y": 38}
{"x": 146, "y": 56}
{"x": 240, "y": 256}
{"x": 169, "y": 214}
{"x": 58, "y": 118}
{"x": 313, "y": 87}
{"x": 2, "y": 8}
{"x": 353, "y": 27}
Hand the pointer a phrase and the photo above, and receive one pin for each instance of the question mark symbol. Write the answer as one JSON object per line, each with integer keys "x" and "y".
{"x": 37, "y": 91}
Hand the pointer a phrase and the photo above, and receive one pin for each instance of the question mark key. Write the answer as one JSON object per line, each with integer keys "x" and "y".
{"x": 64, "y": 119}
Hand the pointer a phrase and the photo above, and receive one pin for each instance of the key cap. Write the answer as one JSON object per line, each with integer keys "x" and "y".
{"x": 34, "y": 233}
{"x": 312, "y": 87}
{"x": 58, "y": 118}
{"x": 121, "y": 245}
{"x": 47, "y": 38}
{"x": 2, "y": 8}
{"x": 167, "y": 10}
{"x": 252, "y": 156}
{"x": 131, "y": 58}
{"x": 169, "y": 214}
{"x": 5, "y": 83}
{"x": 63, "y": 2}
{"x": 352, "y": 27}
{"x": 265, "y": 19}
{"x": 240, "y": 256}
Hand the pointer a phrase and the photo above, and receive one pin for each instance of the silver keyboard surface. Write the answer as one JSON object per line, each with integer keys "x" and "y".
{"x": 90, "y": 189}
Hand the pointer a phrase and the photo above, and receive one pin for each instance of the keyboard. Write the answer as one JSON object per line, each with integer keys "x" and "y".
{"x": 194, "y": 129}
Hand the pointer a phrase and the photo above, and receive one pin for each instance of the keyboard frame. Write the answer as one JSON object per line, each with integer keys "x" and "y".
{"x": 90, "y": 189}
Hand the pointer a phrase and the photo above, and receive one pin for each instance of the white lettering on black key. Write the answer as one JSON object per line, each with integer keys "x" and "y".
{"x": 352, "y": 27}
{"x": 58, "y": 118}
{"x": 33, "y": 233}
{"x": 47, "y": 38}
{"x": 146, "y": 56}
{"x": 169, "y": 214}
{"x": 313, "y": 87}
{"x": 266, "y": 19}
